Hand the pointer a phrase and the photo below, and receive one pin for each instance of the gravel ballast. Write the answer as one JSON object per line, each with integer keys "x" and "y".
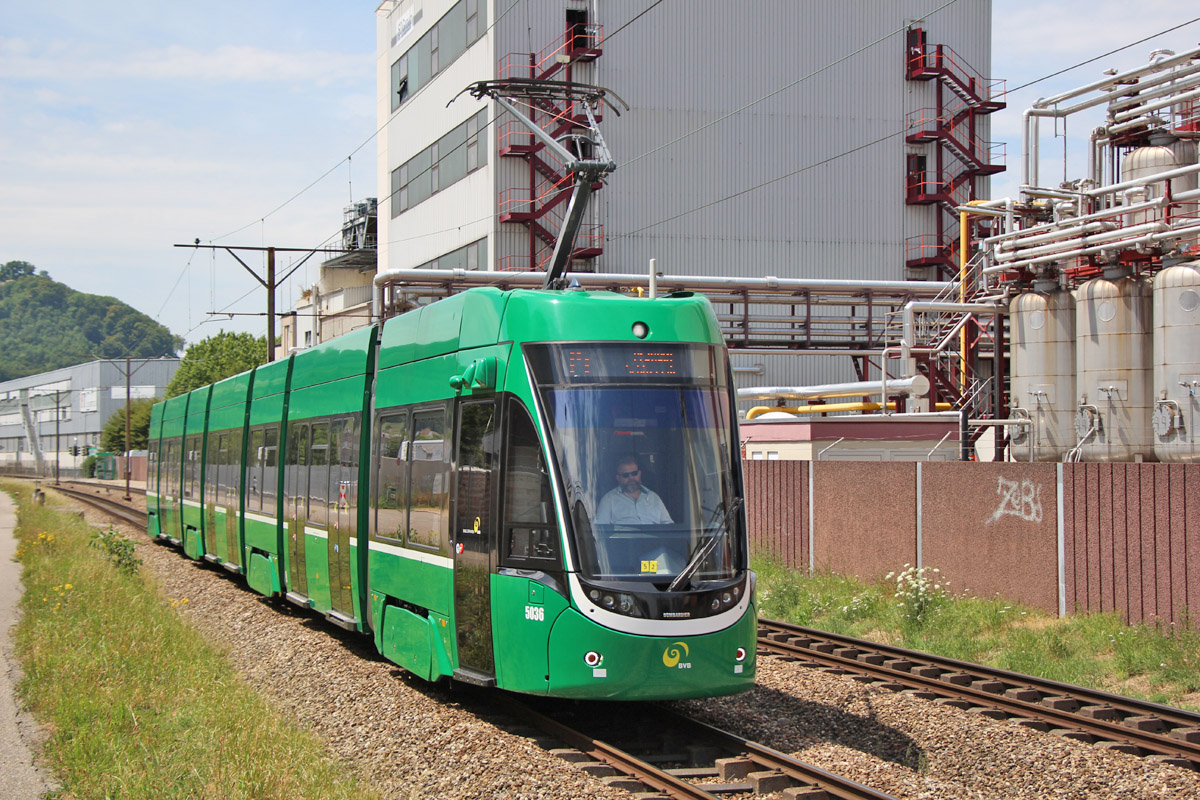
{"x": 410, "y": 739}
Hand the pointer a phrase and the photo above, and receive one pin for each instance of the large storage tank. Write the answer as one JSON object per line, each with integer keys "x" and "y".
{"x": 1143, "y": 162}
{"x": 1113, "y": 356}
{"x": 1177, "y": 363}
{"x": 1042, "y": 331}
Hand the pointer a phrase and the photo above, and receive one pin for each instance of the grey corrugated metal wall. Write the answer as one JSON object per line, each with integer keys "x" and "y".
{"x": 682, "y": 66}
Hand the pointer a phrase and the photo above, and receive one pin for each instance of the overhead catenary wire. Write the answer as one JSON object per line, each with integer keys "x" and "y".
{"x": 1102, "y": 55}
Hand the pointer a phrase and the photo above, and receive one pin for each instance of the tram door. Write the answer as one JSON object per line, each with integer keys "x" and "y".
{"x": 341, "y": 489}
{"x": 474, "y": 534}
{"x": 318, "y": 500}
{"x": 298, "y": 500}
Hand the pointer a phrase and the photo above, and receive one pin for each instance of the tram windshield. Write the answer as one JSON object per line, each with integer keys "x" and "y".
{"x": 644, "y": 440}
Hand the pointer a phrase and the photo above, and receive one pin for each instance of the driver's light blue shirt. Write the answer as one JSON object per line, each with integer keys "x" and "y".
{"x": 618, "y": 508}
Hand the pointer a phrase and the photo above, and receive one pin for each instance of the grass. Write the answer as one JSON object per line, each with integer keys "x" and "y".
{"x": 1158, "y": 663}
{"x": 137, "y": 703}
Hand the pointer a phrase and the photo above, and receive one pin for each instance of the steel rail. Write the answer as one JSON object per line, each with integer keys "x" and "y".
{"x": 764, "y": 759}
{"x": 112, "y": 507}
{"x": 107, "y": 486}
{"x": 1138, "y": 726}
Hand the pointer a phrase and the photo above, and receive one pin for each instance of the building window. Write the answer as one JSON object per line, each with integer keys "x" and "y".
{"x": 441, "y": 45}
{"x": 442, "y": 164}
{"x": 472, "y": 257}
{"x": 399, "y": 82}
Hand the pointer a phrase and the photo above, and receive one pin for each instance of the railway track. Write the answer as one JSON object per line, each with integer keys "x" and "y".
{"x": 96, "y": 496}
{"x": 1120, "y": 723}
{"x": 658, "y": 753}
{"x": 731, "y": 764}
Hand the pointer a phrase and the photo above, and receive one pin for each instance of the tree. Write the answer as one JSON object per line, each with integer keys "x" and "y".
{"x": 112, "y": 438}
{"x": 216, "y": 358}
{"x": 47, "y": 325}
{"x": 17, "y": 269}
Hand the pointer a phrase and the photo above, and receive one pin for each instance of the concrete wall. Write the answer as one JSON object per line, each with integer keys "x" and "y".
{"x": 1059, "y": 537}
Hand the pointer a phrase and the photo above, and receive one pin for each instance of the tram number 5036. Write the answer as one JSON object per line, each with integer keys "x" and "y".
{"x": 535, "y": 613}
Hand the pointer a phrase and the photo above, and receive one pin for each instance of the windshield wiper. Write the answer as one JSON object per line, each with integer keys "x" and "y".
{"x": 706, "y": 549}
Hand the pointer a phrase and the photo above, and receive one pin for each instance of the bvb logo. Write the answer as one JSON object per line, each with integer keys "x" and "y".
{"x": 672, "y": 655}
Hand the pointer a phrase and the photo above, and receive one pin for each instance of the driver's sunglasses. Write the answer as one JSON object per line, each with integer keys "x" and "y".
{"x": 630, "y": 474}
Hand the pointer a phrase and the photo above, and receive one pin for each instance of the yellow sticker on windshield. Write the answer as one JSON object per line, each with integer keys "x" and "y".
{"x": 649, "y": 566}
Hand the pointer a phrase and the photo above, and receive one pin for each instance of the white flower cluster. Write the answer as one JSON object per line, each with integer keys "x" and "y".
{"x": 920, "y": 592}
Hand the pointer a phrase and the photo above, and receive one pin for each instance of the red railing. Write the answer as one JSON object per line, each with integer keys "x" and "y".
{"x": 582, "y": 43}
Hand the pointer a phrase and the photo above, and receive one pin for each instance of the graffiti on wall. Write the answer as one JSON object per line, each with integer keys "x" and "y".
{"x": 1021, "y": 499}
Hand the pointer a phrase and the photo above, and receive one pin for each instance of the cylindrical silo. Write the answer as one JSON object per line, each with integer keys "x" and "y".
{"x": 1042, "y": 331}
{"x": 1143, "y": 162}
{"x": 1176, "y": 389}
{"x": 1113, "y": 356}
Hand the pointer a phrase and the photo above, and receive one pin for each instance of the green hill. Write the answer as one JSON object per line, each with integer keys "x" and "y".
{"x": 47, "y": 325}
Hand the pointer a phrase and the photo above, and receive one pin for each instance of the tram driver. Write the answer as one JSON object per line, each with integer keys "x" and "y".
{"x": 628, "y": 508}
{"x": 631, "y": 503}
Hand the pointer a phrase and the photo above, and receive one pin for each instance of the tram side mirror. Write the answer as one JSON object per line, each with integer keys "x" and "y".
{"x": 480, "y": 375}
{"x": 485, "y": 373}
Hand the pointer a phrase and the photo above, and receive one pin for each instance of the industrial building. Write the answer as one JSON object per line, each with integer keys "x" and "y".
{"x": 1100, "y": 275}
{"x": 56, "y": 417}
{"x": 757, "y": 142}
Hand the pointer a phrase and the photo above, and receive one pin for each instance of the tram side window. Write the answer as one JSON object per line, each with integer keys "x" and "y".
{"x": 343, "y": 477}
{"x": 212, "y": 476}
{"x": 268, "y": 479}
{"x": 476, "y": 459}
{"x": 166, "y": 469}
{"x": 296, "y": 474}
{"x": 231, "y": 472}
{"x": 152, "y": 468}
{"x": 391, "y": 477}
{"x": 254, "y": 471}
{"x": 191, "y": 467}
{"x": 318, "y": 476}
{"x": 530, "y": 538}
{"x": 429, "y": 484}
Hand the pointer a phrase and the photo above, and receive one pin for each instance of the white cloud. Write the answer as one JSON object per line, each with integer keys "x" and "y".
{"x": 52, "y": 61}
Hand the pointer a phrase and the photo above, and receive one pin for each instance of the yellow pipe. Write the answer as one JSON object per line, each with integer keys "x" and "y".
{"x": 758, "y": 411}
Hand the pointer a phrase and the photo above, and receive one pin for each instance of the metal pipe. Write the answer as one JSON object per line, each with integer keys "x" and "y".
{"x": 1162, "y": 102}
{"x": 758, "y": 411}
{"x": 653, "y": 278}
{"x": 939, "y": 444}
{"x": 1058, "y": 229}
{"x": 1115, "y": 211}
{"x": 1152, "y": 237}
{"x": 1178, "y": 172}
{"x": 916, "y": 385}
{"x": 910, "y": 309}
{"x": 1077, "y": 241}
{"x": 830, "y": 447}
{"x": 1174, "y": 84}
{"x": 1121, "y": 77}
{"x": 668, "y": 283}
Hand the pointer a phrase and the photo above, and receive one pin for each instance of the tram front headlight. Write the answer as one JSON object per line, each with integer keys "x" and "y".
{"x": 609, "y": 602}
{"x": 726, "y": 598}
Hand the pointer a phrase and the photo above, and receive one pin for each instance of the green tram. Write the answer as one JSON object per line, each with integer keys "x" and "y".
{"x": 534, "y": 490}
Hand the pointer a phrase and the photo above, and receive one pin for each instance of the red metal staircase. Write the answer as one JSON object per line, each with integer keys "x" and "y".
{"x": 944, "y": 174}
{"x": 540, "y": 205}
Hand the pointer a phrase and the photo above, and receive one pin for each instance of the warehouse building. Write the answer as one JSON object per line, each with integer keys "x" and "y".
{"x": 56, "y": 417}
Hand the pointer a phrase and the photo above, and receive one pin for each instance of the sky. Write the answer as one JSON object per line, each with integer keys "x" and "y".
{"x": 128, "y": 127}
